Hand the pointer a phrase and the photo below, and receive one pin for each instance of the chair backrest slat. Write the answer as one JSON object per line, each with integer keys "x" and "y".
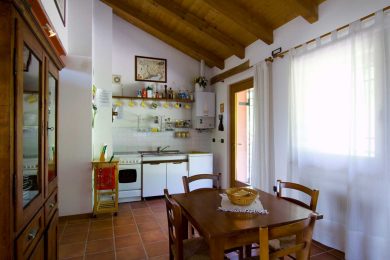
{"x": 313, "y": 194}
{"x": 303, "y": 231}
{"x": 215, "y": 177}
{"x": 174, "y": 217}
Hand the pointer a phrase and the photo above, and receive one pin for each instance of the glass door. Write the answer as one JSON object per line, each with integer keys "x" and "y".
{"x": 241, "y": 130}
{"x": 28, "y": 130}
{"x": 51, "y": 131}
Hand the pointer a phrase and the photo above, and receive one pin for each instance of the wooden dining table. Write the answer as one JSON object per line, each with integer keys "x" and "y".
{"x": 225, "y": 230}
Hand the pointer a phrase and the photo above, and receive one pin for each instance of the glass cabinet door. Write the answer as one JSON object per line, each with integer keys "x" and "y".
{"x": 51, "y": 147}
{"x": 32, "y": 185}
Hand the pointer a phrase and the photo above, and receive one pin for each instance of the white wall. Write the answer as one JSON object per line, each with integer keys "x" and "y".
{"x": 55, "y": 19}
{"x": 102, "y": 66}
{"x": 74, "y": 114}
{"x": 75, "y": 137}
{"x": 332, "y": 14}
{"x": 128, "y": 42}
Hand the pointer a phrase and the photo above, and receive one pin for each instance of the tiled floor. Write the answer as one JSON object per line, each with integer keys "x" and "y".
{"x": 138, "y": 232}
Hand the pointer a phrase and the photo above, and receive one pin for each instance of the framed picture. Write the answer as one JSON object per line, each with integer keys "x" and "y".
{"x": 150, "y": 69}
{"x": 61, "y": 7}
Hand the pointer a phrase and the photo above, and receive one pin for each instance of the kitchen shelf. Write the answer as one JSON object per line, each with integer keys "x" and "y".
{"x": 156, "y": 99}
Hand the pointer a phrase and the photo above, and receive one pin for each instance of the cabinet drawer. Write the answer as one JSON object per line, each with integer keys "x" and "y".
{"x": 30, "y": 236}
{"x": 51, "y": 206}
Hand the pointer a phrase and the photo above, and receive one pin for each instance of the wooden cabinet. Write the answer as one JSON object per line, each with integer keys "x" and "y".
{"x": 28, "y": 135}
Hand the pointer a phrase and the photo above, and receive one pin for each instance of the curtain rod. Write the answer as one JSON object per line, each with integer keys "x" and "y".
{"x": 281, "y": 55}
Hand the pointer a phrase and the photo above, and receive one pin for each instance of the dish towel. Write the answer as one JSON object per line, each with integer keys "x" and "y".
{"x": 255, "y": 207}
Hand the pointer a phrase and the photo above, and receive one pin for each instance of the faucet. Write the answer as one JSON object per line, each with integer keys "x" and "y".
{"x": 159, "y": 149}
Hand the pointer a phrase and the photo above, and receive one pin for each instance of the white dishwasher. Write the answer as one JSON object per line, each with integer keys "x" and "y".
{"x": 200, "y": 163}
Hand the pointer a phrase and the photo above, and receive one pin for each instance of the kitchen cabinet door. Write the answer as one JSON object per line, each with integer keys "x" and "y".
{"x": 52, "y": 238}
{"x": 175, "y": 172}
{"x": 153, "y": 179}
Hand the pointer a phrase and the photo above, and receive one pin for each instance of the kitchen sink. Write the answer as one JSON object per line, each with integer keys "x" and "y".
{"x": 165, "y": 152}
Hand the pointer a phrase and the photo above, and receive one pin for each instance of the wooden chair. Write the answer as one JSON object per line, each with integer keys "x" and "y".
{"x": 312, "y": 193}
{"x": 301, "y": 230}
{"x": 180, "y": 248}
{"x": 216, "y": 177}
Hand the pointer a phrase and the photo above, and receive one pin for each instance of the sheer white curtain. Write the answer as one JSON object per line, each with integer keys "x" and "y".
{"x": 339, "y": 133}
{"x": 262, "y": 161}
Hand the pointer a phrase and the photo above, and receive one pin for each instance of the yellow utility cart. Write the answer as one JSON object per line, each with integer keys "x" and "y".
{"x": 105, "y": 187}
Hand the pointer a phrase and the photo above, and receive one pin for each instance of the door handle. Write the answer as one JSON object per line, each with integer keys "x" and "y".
{"x": 177, "y": 162}
{"x": 33, "y": 233}
{"x": 157, "y": 163}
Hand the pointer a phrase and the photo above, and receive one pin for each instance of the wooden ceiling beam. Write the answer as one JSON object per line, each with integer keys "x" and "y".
{"x": 200, "y": 25}
{"x": 148, "y": 24}
{"x": 306, "y": 8}
{"x": 243, "y": 19}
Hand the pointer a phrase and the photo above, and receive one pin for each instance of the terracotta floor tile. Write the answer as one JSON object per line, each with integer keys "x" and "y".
{"x": 101, "y": 234}
{"x": 337, "y": 253}
{"x": 101, "y": 256}
{"x": 125, "y": 230}
{"x": 153, "y": 236}
{"x": 73, "y": 238}
{"x": 76, "y": 228}
{"x": 142, "y": 211}
{"x": 131, "y": 253}
{"x": 127, "y": 241}
{"x": 324, "y": 256}
{"x": 322, "y": 246}
{"x": 101, "y": 224}
{"x": 160, "y": 209}
{"x": 123, "y": 221}
{"x": 124, "y": 207}
{"x": 75, "y": 258}
{"x": 315, "y": 250}
{"x": 148, "y": 226}
{"x": 143, "y": 219}
{"x": 78, "y": 221}
{"x": 162, "y": 257}
{"x": 97, "y": 246}
{"x": 155, "y": 201}
{"x": 157, "y": 249}
{"x": 72, "y": 250}
{"x": 138, "y": 204}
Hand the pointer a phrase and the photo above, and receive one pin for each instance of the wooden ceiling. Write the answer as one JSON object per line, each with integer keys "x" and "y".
{"x": 213, "y": 30}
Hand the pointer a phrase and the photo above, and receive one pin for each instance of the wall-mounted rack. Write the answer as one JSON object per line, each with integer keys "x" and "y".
{"x": 156, "y": 99}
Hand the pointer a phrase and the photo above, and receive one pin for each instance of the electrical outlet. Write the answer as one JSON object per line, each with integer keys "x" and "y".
{"x": 222, "y": 140}
{"x": 213, "y": 140}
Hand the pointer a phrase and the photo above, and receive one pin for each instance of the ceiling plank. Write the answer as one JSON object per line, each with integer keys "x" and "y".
{"x": 200, "y": 25}
{"x": 306, "y": 8}
{"x": 148, "y": 24}
{"x": 243, "y": 19}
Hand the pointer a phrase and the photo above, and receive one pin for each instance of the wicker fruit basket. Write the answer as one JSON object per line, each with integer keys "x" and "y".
{"x": 241, "y": 196}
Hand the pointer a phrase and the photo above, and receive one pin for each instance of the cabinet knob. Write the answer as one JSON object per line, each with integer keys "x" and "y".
{"x": 32, "y": 235}
{"x": 51, "y": 205}
{"x": 50, "y": 128}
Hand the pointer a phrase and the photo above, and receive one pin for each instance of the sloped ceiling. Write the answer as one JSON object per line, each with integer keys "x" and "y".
{"x": 213, "y": 30}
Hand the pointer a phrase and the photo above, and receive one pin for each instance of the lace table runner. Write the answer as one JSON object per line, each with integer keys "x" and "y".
{"x": 255, "y": 207}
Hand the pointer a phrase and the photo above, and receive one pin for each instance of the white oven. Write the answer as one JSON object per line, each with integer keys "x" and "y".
{"x": 129, "y": 177}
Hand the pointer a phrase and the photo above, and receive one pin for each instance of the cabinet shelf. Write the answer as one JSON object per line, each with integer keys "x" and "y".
{"x": 156, "y": 99}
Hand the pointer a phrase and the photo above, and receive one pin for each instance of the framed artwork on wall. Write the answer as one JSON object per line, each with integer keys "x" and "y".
{"x": 61, "y": 7}
{"x": 150, "y": 69}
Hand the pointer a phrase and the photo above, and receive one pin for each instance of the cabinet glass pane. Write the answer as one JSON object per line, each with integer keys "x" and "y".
{"x": 51, "y": 127}
{"x": 31, "y": 130}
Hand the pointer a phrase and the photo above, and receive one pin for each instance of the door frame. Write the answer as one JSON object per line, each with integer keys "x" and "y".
{"x": 233, "y": 89}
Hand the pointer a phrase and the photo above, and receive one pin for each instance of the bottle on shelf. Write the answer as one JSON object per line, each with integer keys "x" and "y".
{"x": 170, "y": 93}
{"x": 149, "y": 91}
{"x": 165, "y": 91}
{"x": 144, "y": 93}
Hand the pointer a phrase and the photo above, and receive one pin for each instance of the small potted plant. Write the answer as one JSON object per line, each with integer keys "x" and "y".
{"x": 200, "y": 83}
